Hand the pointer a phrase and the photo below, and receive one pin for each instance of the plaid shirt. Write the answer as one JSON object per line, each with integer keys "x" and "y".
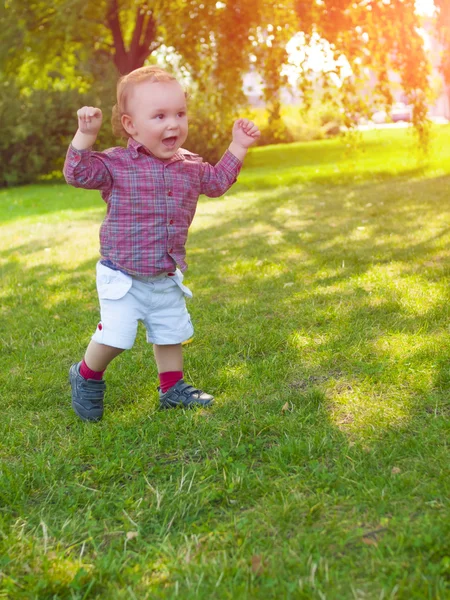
{"x": 150, "y": 202}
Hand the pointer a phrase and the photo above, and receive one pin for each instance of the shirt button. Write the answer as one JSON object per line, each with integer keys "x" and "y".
{"x": 169, "y": 193}
{"x": 170, "y": 251}
{"x": 171, "y": 222}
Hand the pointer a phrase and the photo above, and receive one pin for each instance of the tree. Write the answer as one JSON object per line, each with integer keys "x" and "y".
{"x": 376, "y": 38}
{"x": 74, "y": 42}
{"x": 53, "y": 33}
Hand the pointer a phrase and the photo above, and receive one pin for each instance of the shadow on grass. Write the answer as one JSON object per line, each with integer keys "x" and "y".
{"x": 262, "y": 475}
{"x": 347, "y": 232}
{"x": 370, "y": 237}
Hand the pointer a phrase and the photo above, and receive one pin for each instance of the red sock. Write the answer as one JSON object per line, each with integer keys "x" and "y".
{"x": 169, "y": 379}
{"x": 88, "y": 373}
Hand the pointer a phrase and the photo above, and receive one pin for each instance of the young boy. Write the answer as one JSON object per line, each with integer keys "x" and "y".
{"x": 151, "y": 189}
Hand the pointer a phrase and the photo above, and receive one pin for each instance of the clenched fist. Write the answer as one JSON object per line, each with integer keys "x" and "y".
{"x": 89, "y": 120}
{"x": 245, "y": 132}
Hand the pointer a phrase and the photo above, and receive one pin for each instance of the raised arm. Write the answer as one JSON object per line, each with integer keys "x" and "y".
{"x": 83, "y": 168}
{"x": 245, "y": 133}
{"x": 89, "y": 123}
{"x": 216, "y": 180}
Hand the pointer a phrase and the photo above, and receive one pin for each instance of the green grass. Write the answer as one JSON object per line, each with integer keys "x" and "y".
{"x": 321, "y": 310}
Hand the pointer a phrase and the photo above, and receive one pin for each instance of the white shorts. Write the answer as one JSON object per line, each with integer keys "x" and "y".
{"x": 159, "y": 302}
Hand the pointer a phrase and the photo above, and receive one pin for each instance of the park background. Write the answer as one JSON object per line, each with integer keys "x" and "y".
{"x": 320, "y": 303}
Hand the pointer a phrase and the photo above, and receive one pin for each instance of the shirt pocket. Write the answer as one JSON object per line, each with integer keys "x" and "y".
{"x": 111, "y": 284}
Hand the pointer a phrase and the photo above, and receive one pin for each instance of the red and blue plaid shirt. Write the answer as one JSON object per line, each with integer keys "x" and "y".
{"x": 150, "y": 202}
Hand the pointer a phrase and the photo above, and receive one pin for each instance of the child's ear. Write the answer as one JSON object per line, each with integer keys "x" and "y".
{"x": 127, "y": 124}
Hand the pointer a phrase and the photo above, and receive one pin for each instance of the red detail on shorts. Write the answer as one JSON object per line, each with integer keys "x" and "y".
{"x": 100, "y": 326}
{"x": 171, "y": 274}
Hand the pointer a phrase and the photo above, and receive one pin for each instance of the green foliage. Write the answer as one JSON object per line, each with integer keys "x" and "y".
{"x": 211, "y": 116}
{"x": 298, "y": 125}
{"x": 218, "y": 41}
{"x": 209, "y": 129}
{"x": 36, "y": 130}
{"x": 276, "y": 132}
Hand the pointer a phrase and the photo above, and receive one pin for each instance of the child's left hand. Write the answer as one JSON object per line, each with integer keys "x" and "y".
{"x": 245, "y": 133}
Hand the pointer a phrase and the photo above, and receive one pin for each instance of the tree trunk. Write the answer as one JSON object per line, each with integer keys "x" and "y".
{"x": 145, "y": 29}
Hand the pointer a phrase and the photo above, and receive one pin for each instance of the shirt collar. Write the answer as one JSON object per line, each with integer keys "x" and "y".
{"x": 137, "y": 148}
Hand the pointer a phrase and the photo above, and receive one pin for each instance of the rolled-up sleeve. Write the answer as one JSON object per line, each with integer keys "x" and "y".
{"x": 216, "y": 180}
{"x": 87, "y": 169}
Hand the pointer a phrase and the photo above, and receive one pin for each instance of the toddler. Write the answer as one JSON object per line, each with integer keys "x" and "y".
{"x": 151, "y": 189}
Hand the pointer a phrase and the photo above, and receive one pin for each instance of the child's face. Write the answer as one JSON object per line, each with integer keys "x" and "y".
{"x": 157, "y": 117}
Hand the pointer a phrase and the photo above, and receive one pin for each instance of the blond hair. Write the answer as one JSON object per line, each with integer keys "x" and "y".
{"x": 124, "y": 88}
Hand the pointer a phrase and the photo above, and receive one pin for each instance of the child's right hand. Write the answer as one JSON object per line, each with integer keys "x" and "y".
{"x": 89, "y": 120}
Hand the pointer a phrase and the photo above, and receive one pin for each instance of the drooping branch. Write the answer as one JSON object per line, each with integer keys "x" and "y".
{"x": 443, "y": 26}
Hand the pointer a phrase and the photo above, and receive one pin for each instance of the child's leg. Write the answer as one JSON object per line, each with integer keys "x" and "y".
{"x": 173, "y": 390}
{"x": 168, "y": 321}
{"x": 168, "y": 358}
{"x": 169, "y": 361}
{"x": 98, "y": 356}
{"x": 86, "y": 379}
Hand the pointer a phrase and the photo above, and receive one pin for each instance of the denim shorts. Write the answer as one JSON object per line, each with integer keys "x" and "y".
{"x": 158, "y": 302}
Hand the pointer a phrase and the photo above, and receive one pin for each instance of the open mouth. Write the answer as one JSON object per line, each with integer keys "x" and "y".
{"x": 170, "y": 142}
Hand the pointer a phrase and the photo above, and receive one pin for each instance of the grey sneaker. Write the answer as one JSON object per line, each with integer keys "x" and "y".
{"x": 87, "y": 395}
{"x": 184, "y": 395}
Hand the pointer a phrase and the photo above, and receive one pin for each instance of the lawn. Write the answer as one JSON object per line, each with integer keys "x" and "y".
{"x": 321, "y": 308}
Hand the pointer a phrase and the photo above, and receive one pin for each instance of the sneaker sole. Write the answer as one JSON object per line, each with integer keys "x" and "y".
{"x": 83, "y": 417}
{"x": 191, "y": 406}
